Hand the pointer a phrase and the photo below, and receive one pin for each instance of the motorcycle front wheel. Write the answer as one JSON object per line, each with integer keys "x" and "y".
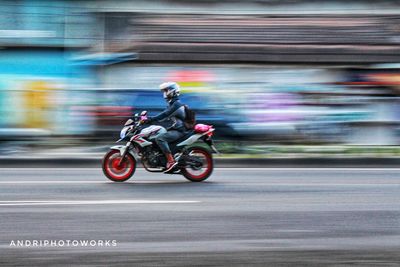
{"x": 206, "y": 165}
{"x": 117, "y": 170}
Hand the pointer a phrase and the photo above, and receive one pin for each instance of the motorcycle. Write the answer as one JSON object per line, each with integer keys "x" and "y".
{"x": 195, "y": 162}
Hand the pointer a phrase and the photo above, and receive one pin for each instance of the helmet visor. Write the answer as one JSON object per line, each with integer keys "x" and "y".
{"x": 165, "y": 93}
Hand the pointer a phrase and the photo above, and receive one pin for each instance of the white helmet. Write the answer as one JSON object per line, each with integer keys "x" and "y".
{"x": 170, "y": 89}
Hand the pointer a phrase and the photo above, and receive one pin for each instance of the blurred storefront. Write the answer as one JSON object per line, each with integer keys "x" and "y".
{"x": 259, "y": 70}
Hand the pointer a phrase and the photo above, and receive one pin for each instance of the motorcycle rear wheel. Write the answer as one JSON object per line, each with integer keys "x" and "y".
{"x": 201, "y": 174}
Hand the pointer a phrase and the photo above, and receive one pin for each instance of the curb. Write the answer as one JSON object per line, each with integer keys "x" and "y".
{"x": 219, "y": 162}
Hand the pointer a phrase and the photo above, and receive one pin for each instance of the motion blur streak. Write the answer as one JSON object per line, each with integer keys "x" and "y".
{"x": 278, "y": 79}
{"x": 256, "y": 217}
{"x": 270, "y": 72}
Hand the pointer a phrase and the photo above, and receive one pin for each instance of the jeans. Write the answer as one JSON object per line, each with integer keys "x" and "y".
{"x": 170, "y": 136}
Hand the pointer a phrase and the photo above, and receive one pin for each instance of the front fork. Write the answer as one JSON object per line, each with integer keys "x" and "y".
{"x": 123, "y": 154}
{"x": 123, "y": 150}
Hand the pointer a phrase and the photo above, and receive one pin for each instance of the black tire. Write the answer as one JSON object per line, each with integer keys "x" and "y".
{"x": 188, "y": 172}
{"x": 112, "y": 173}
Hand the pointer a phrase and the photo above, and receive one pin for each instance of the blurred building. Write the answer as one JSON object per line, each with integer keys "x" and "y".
{"x": 38, "y": 40}
{"x": 251, "y": 50}
{"x": 296, "y": 71}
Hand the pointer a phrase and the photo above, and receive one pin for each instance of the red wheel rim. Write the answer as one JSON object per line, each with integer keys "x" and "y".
{"x": 205, "y": 169}
{"x": 116, "y": 170}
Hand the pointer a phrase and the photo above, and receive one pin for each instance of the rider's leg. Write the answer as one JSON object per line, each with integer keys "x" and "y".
{"x": 163, "y": 141}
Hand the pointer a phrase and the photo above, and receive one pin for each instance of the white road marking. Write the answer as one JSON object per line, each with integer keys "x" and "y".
{"x": 377, "y": 183}
{"x": 91, "y": 202}
{"x": 307, "y": 169}
{"x": 92, "y": 182}
{"x": 52, "y": 182}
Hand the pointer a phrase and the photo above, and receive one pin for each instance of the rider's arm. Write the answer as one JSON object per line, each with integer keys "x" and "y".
{"x": 166, "y": 113}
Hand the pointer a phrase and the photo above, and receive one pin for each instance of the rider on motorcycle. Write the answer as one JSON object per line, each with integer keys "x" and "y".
{"x": 175, "y": 112}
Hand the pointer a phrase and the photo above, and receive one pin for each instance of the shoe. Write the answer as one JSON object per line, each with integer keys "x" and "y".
{"x": 171, "y": 163}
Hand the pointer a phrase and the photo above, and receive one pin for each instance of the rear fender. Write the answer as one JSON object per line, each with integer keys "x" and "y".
{"x": 190, "y": 140}
{"x": 194, "y": 138}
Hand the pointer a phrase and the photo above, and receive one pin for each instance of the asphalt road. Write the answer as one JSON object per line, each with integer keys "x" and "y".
{"x": 239, "y": 217}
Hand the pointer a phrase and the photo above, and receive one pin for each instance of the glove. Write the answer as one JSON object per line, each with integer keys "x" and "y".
{"x": 145, "y": 120}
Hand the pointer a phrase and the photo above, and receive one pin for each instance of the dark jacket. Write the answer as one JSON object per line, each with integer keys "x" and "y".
{"x": 174, "y": 112}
